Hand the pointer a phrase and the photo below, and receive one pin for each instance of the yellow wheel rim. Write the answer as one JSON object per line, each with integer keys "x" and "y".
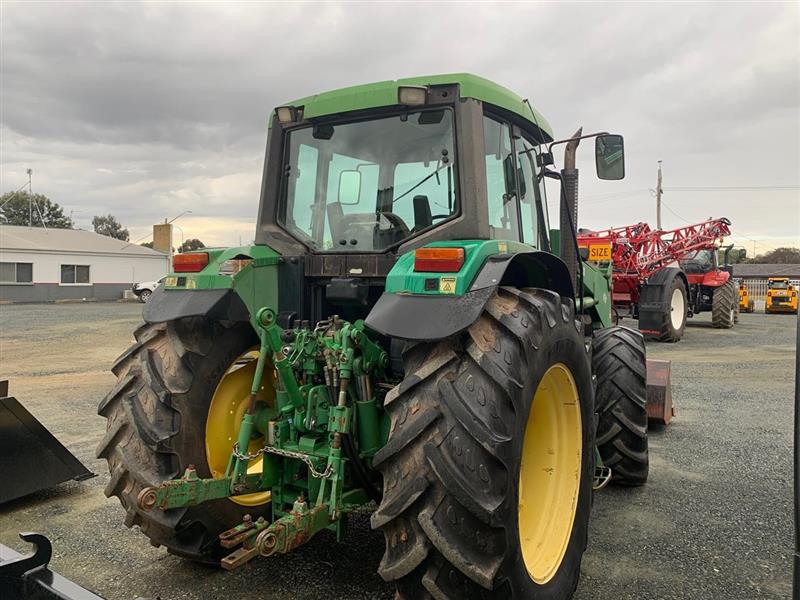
{"x": 550, "y": 474}
{"x": 225, "y": 413}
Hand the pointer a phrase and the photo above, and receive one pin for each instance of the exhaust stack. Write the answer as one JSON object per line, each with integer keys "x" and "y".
{"x": 569, "y": 210}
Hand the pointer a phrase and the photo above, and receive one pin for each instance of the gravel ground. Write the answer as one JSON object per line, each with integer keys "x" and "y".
{"x": 714, "y": 521}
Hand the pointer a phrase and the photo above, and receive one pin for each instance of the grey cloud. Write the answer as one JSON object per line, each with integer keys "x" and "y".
{"x": 143, "y": 109}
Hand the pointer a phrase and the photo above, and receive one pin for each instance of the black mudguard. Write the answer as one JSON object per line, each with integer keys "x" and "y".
{"x": 654, "y": 300}
{"x": 220, "y": 304}
{"x": 427, "y": 317}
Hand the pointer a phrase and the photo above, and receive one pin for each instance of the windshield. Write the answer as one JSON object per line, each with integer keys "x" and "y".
{"x": 701, "y": 261}
{"x": 779, "y": 285}
{"x": 365, "y": 186}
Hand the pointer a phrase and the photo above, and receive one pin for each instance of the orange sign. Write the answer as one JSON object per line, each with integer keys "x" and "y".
{"x": 600, "y": 253}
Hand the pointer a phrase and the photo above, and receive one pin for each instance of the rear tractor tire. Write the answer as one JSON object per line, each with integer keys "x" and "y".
{"x": 723, "y": 306}
{"x": 180, "y": 394}
{"x": 488, "y": 469}
{"x": 620, "y": 365}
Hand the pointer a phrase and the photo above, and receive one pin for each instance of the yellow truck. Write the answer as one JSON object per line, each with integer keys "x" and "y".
{"x": 781, "y": 296}
{"x": 746, "y": 303}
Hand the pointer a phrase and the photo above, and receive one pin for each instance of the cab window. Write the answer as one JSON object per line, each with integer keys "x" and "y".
{"x": 529, "y": 194}
{"x": 500, "y": 191}
{"x": 368, "y": 185}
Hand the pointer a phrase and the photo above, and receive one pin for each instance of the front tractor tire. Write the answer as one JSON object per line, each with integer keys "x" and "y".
{"x": 159, "y": 417}
{"x": 723, "y": 306}
{"x": 488, "y": 468}
{"x": 673, "y": 322}
{"x": 620, "y": 365}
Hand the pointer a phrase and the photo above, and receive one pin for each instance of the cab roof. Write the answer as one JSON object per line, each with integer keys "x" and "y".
{"x": 384, "y": 93}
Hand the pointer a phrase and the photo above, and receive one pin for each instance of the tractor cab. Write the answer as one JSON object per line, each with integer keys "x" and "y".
{"x": 779, "y": 283}
{"x": 410, "y": 164}
{"x": 359, "y": 183}
{"x": 701, "y": 261}
{"x": 355, "y": 179}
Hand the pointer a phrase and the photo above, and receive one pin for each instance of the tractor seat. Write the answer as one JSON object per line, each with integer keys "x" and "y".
{"x": 422, "y": 213}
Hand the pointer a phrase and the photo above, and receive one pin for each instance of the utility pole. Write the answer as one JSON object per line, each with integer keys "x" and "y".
{"x": 659, "y": 191}
{"x": 30, "y": 199}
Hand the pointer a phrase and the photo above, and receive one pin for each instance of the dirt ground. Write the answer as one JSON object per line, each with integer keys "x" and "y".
{"x": 714, "y": 521}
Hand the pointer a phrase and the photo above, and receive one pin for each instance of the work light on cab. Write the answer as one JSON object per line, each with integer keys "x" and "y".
{"x": 192, "y": 262}
{"x": 286, "y": 114}
{"x": 412, "y": 95}
{"x": 438, "y": 260}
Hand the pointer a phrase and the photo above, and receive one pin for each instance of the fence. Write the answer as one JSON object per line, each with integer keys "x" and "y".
{"x": 757, "y": 288}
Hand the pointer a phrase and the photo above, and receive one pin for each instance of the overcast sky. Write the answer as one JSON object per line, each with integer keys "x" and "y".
{"x": 147, "y": 110}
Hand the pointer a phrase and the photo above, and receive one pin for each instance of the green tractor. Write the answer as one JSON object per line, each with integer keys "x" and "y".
{"x": 406, "y": 330}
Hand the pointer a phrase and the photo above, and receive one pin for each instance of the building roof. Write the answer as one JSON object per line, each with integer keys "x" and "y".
{"x": 384, "y": 93}
{"x": 766, "y": 270}
{"x": 39, "y": 239}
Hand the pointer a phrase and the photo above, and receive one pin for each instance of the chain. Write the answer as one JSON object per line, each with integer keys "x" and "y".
{"x": 286, "y": 454}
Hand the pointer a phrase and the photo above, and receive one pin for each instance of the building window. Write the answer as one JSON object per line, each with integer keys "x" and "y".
{"x": 74, "y": 274}
{"x": 16, "y": 272}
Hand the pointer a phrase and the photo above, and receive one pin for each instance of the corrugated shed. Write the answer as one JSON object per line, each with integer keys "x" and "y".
{"x": 766, "y": 270}
{"x": 32, "y": 239}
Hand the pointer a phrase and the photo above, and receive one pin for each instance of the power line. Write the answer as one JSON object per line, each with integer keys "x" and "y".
{"x": 665, "y": 205}
{"x": 613, "y": 197}
{"x": 13, "y": 194}
{"x": 734, "y": 188}
{"x": 738, "y": 233}
{"x": 616, "y": 193}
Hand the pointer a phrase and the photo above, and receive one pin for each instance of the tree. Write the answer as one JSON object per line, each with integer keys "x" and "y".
{"x": 109, "y": 226}
{"x": 17, "y": 208}
{"x": 780, "y": 256}
{"x": 735, "y": 256}
{"x": 190, "y": 245}
{"x": 147, "y": 244}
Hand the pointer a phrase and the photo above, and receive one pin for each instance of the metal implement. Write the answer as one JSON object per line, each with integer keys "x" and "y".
{"x": 31, "y": 458}
{"x": 29, "y": 576}
{"x": 659, "y": 391}
{"x": 316, "y": 408}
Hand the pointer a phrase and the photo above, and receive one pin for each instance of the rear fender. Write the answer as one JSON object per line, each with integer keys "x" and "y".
{"x": 435, "y": 316}
{"x": 214, "y": 294}
{"x": 715, "y": 278}
{"x": 654, "y": 297}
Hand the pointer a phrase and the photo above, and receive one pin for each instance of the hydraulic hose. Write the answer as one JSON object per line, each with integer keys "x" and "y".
{"x": 359, "y": 470}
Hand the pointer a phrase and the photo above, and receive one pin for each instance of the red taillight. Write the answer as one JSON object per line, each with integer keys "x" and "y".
{"x": 189, "y": 263}
{"x": 438, "y": 260}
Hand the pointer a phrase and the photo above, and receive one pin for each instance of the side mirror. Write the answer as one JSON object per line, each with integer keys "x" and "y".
{"x": 349, "y": 187}
{"x": 609, "y": 156}
{"x": 508, "y": 176}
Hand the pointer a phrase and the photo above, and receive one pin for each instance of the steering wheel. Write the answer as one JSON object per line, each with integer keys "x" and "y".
{"x": 396, "y": 222}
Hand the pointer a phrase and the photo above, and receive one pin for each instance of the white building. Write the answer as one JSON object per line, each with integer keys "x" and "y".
{"x": 38, "y": 265}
